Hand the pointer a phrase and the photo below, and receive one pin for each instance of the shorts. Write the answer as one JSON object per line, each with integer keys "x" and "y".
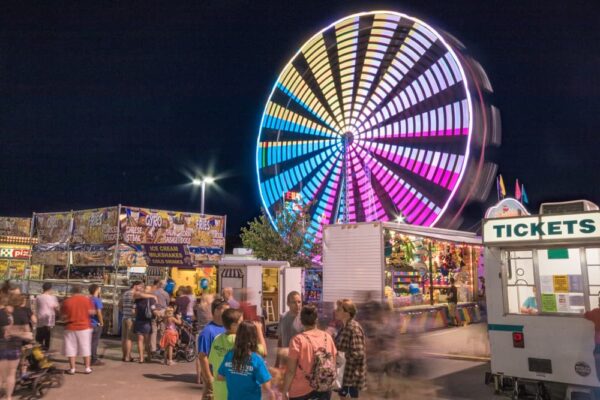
{"x": 10, "y": 354}
{"x": 78, "y": 343}
{"x": 127, "y": 329}
{"x": 169, "y": 338}
{"x": 348, "y": 391}
{"x": 142, "y": 327}
{"x": 314, "y": 396}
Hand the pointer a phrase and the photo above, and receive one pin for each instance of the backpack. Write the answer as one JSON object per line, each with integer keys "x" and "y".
{"x": 323, "y": 372}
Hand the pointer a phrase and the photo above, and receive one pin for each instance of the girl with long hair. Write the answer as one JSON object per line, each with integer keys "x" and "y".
{"x": 243, "y": 369}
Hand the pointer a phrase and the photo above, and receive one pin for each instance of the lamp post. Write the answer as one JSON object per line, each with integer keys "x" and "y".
{"x": 202, "y": 183}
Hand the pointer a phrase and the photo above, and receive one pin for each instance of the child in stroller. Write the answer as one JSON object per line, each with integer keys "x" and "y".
{"x": 40, "y": 375}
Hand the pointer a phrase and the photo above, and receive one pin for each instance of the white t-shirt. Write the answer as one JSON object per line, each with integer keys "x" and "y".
{"x": 46, "y": 305}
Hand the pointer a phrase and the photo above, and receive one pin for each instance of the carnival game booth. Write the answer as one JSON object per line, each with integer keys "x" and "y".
{"x": 113, "y": 246}
{"x": 407, "y": 266}
{"x": 543, "y": 272}
{"x": 262, "y": 283}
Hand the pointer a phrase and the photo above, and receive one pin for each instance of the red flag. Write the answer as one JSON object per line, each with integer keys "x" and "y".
{"x": 517, "y": 190}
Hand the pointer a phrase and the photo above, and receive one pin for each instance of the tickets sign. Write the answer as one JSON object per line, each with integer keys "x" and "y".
{"x": 542, "y": 228}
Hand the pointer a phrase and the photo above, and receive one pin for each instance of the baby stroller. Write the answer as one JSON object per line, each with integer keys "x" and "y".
{"x": 186, "y": 348}
{"x": 41, "y": 375}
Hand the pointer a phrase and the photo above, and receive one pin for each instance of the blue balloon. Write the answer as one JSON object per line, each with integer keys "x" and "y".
{"x": 204, "y": 283}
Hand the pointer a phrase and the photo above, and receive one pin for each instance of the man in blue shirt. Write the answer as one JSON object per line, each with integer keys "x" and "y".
{"x": 205, "y": 340}
{"x": 530, "y": 304}
{"x": 97, "y": 322}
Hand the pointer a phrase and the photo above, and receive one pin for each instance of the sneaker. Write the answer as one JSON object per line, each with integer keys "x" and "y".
{"x": 88, "y": 370}
{"x": 98, "y": 363}
{"x": 71, "y": 371}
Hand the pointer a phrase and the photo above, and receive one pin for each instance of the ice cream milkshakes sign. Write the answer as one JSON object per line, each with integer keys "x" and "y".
{"x": 542, "y": 228}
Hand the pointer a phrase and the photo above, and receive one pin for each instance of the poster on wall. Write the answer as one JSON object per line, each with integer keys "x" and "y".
{"x": 204, "y": 235}
{"x": 53, "y": 231}
{"x": 10, "y": 226}
{"x": 94, "y": 236}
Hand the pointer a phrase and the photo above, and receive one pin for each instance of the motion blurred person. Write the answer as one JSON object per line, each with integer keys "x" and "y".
{"x": 46, "y": 307}
{"x": 594, "y": 316}
{"x": 351, "y": 340}
{"x": 228, "y": 297}
{"x": 452, "y": 302}
{"x": 203, "y": 310}
{"x": 205, "y": 341}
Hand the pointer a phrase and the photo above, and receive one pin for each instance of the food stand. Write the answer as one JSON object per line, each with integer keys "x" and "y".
{"x": 407, "y": 266}
{"x": 15, "y": 249}
{"x": 108, "y": 246}
{"x": 544, "y": 272}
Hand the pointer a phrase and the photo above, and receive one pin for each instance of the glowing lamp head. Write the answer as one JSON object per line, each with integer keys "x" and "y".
{"x": 209, "y": 180}
{"x": 400, "y": 219}
{"x": 196, "y": 182}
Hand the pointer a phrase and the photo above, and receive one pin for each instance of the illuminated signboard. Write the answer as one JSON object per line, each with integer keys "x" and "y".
{"x": 542, "y": 228}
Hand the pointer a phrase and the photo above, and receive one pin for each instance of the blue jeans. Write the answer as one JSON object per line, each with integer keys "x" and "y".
{"x": 349, "y": 391}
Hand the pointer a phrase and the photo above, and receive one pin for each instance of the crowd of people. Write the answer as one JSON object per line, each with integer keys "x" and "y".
{"x": 309, "y": 362}
{"x": 313, "y": 360}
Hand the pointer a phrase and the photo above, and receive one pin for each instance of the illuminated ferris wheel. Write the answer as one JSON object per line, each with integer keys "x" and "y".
{"x": 374, "y": 119}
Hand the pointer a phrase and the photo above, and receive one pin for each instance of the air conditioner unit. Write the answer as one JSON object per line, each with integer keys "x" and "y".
{"x": 566, "y": 207}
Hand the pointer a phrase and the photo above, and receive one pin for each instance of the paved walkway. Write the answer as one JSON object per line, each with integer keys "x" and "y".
{"x": 441, "y": 378}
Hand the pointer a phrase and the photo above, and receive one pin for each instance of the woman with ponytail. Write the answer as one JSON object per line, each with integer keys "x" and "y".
{"x": 243, "y": 369}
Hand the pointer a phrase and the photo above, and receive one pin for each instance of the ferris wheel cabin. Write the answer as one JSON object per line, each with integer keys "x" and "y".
{"x": 543, "y": 281}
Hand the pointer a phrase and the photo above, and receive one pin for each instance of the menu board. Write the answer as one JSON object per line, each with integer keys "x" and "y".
{"x": 53, "y": 231}
{"x": 10, "y": 226}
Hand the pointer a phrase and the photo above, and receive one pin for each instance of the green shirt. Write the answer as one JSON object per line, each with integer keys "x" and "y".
{"x": 221, "y": 346}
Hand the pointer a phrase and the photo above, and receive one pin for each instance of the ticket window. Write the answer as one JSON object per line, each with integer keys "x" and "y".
{"x": 561, "y": 281}
{"x": 520, "y": 283}
{"x": 552, "y": 281}
{"x": 592, "y": 257}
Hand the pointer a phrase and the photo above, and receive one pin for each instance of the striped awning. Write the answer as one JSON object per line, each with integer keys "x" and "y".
{"x": 232, "y": 273}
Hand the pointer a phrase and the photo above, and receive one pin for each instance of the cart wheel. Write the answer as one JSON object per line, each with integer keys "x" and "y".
{"x": 190, "y": 351}
{"x": 57, "y": 379}
{"x": 41, "y": 386}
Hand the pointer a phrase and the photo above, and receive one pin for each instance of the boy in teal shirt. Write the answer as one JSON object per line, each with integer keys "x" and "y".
{"x": 223, "y": 343}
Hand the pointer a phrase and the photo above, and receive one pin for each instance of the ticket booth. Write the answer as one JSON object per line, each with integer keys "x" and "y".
{"x": 543, "y": 275}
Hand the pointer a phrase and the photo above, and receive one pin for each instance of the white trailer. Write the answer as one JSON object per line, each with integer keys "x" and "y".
{"x": 243, "y": 273}
{"x": 542, "y": 275}
{"x": 354, "y": 259}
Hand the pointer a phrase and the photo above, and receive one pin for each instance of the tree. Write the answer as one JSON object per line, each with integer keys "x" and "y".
{"x": 286, "y": 241}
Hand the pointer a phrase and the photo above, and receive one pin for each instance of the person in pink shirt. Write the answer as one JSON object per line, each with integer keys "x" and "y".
{"x": 301, "y": 356}
{"x": 594, "y": 317}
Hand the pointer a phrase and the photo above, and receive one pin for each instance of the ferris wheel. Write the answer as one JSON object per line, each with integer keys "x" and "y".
{"x": 373, "y": 119}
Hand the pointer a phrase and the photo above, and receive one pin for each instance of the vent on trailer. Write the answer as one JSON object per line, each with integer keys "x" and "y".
{"x": 567, "y": 207}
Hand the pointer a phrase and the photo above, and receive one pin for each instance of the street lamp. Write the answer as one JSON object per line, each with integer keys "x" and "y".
{"x": 202, "y": 183}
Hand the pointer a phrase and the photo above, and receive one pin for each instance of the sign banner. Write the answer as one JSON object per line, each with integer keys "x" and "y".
{"x": 8, "y": 252}
{"x": 542, "y": 228}
{"x": 168, "y": 255}
{"x": 15, "y": 226}
{"x": 53, "y": 231}
{"x": 95, "y": 230}
{"x": 203, "y": 234}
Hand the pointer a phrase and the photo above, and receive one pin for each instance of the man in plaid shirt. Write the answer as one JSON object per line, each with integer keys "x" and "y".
{"x": 351, "y": 340}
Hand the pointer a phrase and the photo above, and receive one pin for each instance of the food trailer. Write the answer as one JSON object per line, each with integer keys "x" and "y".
{"x": 542, "y": 274}
{"x": 407, "y": 266}
{"x": 261, "y": 282}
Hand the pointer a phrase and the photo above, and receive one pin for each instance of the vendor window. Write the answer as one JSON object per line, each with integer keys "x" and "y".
{"x": 520, "y": 283}
{"x": 592, "y": 257}
{"x": 561, "y": 282}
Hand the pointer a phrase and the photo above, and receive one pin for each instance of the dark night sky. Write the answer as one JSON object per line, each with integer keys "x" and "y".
{"x": 121, "y": 103}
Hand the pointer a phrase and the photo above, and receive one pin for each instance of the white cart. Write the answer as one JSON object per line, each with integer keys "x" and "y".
{"x": 542, "y": 275}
